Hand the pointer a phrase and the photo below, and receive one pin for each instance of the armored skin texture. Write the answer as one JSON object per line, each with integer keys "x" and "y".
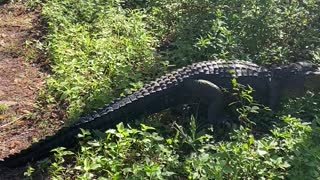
{"x": 202, "y": 80}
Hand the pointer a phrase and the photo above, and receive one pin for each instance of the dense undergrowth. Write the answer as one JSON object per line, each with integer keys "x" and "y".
{"x": 126, "y": 153}
{"x": 289, "y": 149}
{"x": 100, "y": 50}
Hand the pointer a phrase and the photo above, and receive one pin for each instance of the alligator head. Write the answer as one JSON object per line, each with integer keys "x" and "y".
{"x": 298, "y": 78}
{"x": 312, "y": 78}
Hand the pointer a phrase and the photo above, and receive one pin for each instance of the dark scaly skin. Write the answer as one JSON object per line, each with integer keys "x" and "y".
{"x": 202, "y": 80}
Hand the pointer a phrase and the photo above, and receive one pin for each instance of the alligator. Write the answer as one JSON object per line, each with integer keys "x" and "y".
{"x": 204, "y": 81}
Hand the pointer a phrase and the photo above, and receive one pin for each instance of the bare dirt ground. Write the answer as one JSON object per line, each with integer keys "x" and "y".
{"x": 21, "y": 122}
{"x": 19, "y": 80}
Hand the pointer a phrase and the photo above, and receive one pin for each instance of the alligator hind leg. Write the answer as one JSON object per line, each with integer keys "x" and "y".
{"x": 210, "y": 94}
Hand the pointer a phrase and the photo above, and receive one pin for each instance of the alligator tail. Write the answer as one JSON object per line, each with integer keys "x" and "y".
{"x": 156, "y": 96}
{"x": 64, "y": 137}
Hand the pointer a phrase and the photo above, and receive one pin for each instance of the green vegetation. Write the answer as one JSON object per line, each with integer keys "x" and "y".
{"x": 3, "y": 108}
{"x": 100, "y": 50}
{"x": 290, "y": 150}
{"x": 271, "y": 31}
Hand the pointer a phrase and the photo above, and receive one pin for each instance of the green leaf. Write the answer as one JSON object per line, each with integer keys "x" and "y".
{"x": 146, "y": 128}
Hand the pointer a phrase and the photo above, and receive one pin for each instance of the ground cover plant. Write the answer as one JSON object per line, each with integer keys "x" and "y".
{"x": 271, "y": 31}
{"x": 100, "y": 50}
{"x": 289, "y": 150}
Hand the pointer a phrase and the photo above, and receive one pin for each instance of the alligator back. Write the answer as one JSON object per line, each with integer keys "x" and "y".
{"x": 166, "y": 91}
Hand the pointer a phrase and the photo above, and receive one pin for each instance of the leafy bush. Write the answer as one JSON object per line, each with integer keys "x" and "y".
{"x": 123, "y": 153}
{"x": 287, "y": 151}
{"x": 98, "y": 50}
{"x": 128, "y": 153}
{"x": 102, "y": 49}
{"x": 306, "y": 157}
{"x": 266, "y": 32}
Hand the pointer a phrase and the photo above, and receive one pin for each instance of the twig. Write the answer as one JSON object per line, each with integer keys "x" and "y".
{"x": 12, "y": 122}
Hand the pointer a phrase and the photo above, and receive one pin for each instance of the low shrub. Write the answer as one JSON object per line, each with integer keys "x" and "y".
{"x": 98, "y": 50}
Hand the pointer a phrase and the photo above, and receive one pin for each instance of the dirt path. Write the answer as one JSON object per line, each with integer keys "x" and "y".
{"x": 19, "y": 80}
{"x": 22, "y": 119}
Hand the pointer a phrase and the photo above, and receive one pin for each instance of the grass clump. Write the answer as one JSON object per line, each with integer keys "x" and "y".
{"x": 3, "y": 108}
